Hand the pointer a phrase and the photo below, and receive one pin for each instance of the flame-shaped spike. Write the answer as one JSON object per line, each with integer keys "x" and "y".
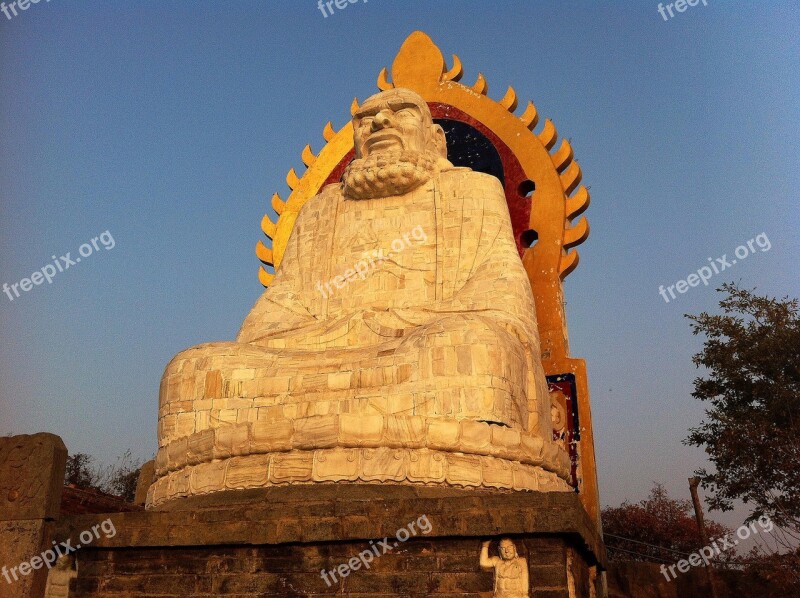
{"x": 530, "y": 117}
{"x": 354, "y": 106}
{"x": 268, "y": 226}
{"x": 264, "y": 253}
{"x": 569, "y": 261}
{"x": 571, "y": 177}
{"x": 264, "y": 277}
{"x": 577, "y": 234}
{"x": 277, "y": 203}
{"x": 328, "y": 132}
{"x": 549, "y": 134}
{"x": 481, "y": 86}
{"x": 292, "y": 179}
{"x": 509, "y": 101}
{"x": 455, "y": 73}
{"x": 383, "y": 80}
{"x": 578, "y": 203}
{"x": 563, "y": 156}
{"x": 308, "y": 156}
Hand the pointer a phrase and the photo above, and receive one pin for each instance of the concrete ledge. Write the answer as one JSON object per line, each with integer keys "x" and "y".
{"x": 338, "y": 512}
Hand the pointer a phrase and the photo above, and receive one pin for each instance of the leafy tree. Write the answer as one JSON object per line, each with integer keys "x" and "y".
{"x": 658, "y": 528}
{"x": 80, "y": 472}
{"x": 751, "y": 431}
{"x": 123, "y": 477}
{"x": 780, "y": 571}
{"x": 119, "y": 479}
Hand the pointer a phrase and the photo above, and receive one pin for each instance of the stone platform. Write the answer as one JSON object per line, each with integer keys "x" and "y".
{"x": 276, "y": 542}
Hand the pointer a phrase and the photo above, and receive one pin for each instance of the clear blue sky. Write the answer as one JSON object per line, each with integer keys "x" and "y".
{"x": 170, "y": 124}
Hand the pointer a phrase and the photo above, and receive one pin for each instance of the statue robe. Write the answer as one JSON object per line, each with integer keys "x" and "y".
{"x": 443, "y": 326}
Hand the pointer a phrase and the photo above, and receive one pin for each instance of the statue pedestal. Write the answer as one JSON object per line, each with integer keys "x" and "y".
{"x": 370, "y": 540}
{"x": 31, "y": 482}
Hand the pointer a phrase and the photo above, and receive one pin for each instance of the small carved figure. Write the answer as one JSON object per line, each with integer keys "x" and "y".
{"x": 510, "y": 570}
{"x": 58, "y": 578}
{"x": 558, "y": 413}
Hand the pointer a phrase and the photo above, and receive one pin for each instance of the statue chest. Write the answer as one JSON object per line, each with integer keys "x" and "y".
{"x": 382, "y": 252}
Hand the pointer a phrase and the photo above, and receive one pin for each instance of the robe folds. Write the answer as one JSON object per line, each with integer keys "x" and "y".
{"x": 410, "y": 305}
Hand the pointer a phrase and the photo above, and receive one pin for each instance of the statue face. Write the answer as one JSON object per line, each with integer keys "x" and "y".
{"x": 558, "y": 411}
{"x": 556, "y": 415}
{"x": 63, "y": 563}
{"x": 507, "y": 550}
{"x": 393, "y": 120}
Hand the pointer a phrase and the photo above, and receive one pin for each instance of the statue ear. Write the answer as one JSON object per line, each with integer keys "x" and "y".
{"x": 438, "y": 140}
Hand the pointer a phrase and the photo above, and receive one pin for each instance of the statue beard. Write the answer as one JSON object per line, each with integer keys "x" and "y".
{"x": 386, "y": 174}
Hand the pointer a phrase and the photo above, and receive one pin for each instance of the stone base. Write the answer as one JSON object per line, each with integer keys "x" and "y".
{"x": 276, "y": 542}
{"x": 364, "y": 465}
{"x": 357, "y": 448}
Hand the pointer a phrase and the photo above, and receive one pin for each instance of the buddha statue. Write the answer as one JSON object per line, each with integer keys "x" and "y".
{"x": 397, "y": 342}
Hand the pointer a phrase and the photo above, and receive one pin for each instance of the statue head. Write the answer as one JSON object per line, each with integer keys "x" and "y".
{"x": 64, "y": 563}
{"x": 507, "y": 550}
{"x": 398, "y": 147}
{"x": 558, "y": 410}
{"x": 398, "y": 119}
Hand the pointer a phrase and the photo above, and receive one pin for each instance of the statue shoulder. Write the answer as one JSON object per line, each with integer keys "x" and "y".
{"x": 475, "y": 187}
{"x": 330, "y": 192}
{"x": 326, "y": 198}
{"x": 466, "y": 178}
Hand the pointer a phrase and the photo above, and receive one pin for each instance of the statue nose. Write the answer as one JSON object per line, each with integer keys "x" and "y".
{"x": 382, "y": 120}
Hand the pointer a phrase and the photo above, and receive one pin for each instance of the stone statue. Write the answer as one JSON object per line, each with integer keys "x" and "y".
{"x": 510, "y": 570}
{"x": 558, "y": 413}
{"x": 422, "y": 366}
{"x": 59, "y": 576}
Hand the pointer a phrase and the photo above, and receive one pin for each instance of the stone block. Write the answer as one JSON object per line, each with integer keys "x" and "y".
{"x": 426, "y": 466}
{"x": 31, "y": 482}
{"x": 146, "y": 476}
{"x": 176, "y": 454}
{"x": 200, "y": 447}
{"x": 271, "y": 436}
{"x": 31, "y": 476}
{"x": 501, "y": 475}
{"x": 464, "y": 470}
{"x": 207, "y": 477}
{"x": 407, "y": 431}
{"x": 231, "y": 441}
{"x": 443, "y": 434}
{"x": 321, "y": 431}
{"x": 384, "y": 464}
{"x": 336, "y": 465}
{"x": 21, "y": 539}
{"x": 178, "y": 483}
{"x": 475, "y": 437}
{"x": 361, "y": 430}
{"x": 291, "y": 467}
{"x": 247, "y": 472}
{"x": 525, "y": 477}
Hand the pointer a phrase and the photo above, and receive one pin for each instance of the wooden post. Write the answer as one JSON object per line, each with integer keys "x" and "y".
{"x": 701, "y": 525}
